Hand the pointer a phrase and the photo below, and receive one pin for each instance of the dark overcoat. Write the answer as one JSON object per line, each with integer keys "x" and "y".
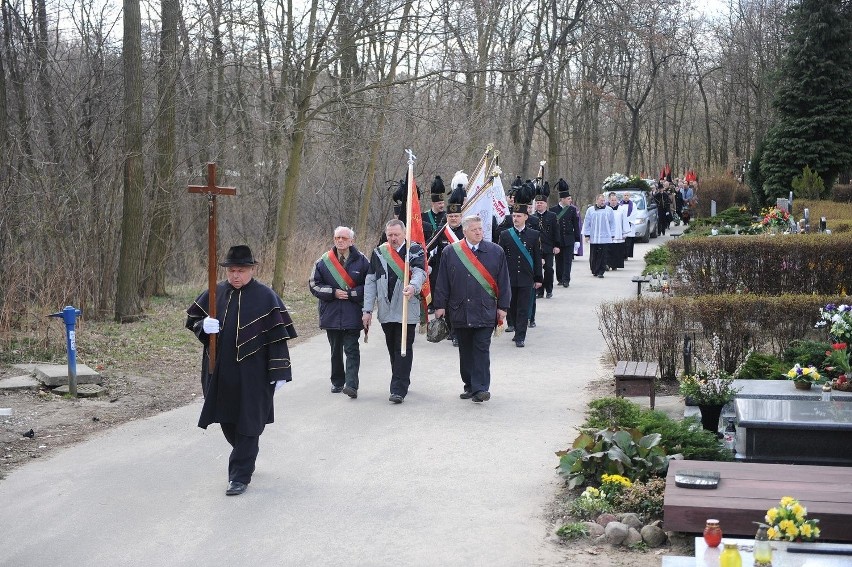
{"x": 568, "y": 227}
{"x": 547, "y": 231}
{"x": 460, "y": 293}
{"x": 251, "y": 355}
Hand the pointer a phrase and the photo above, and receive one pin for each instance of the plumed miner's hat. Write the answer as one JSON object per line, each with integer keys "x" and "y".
{"x": 562, "y": 187}
{"x": 456, "y": 199}
{"x": 525, "y": 194}
{"x": 542, "y": 192}
{"x": 437, "y": 189}
{"x": 516, "y": 184}
{"x": 521, "y": 208}
{"x": 458, "y": 194}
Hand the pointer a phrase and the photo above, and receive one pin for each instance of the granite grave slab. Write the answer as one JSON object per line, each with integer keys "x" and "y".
{"x": 794, "y": 431}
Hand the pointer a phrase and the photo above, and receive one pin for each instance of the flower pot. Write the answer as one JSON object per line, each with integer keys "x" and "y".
{"x": 710, "y": 415}
{"x": 802, "y": 385}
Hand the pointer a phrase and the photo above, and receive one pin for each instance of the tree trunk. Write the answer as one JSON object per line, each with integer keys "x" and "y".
{"x": 127, "y": 302}
{"x": 160, "y": 235}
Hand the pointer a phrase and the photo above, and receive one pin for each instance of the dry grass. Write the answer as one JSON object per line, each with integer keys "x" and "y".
{"x": 835, "y": 213}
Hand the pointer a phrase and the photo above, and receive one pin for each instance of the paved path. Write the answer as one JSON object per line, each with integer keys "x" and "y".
{"x": 434, "y": 481}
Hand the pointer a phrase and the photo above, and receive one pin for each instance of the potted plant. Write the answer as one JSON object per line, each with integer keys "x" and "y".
{"x": 710, "y": 391}
{"x": 775, "y": 219}
{"x": 803, "y": 377}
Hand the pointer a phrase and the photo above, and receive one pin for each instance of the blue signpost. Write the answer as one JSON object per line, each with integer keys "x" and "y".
{"x": 69, "y": 316}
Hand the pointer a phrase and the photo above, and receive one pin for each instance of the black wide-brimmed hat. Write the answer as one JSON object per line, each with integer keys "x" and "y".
{"x": 239, "y": 256}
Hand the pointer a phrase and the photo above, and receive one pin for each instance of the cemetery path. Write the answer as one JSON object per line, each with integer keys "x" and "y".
{"x": 434, "y": 481}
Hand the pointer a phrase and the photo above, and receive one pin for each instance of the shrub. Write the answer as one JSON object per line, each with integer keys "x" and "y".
{"x": 572, "y": 530}
{"x": 659, "y": 255}
{"x": 686, "y": 437}
{"x": 590, "y": 504}
{"x": 808, "y": 185}
{"x": 842, "y": 193}
{"x": 615, "y": 451}
{"x": 653, "y": 328}
{"x": 645, "y": 498}
{"x": 612, "y": 412}
{"x": 726, "y": 191}
{"x": 761, "y": 366}
{"x": 767, "y": 265}
{"x": 805, "y": 353}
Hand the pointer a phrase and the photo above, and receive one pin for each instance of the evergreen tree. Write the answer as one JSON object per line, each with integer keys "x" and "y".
{"x": 814, "y": 98}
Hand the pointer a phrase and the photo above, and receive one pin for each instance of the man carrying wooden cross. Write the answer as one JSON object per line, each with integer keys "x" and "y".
{"x": 252, "y": 361}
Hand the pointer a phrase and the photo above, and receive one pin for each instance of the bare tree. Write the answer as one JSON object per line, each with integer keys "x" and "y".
{"x": 128, "y": 306}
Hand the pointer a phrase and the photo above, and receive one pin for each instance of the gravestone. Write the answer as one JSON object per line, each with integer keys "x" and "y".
{"x": 712, "y": 208}
{"x": 794, "y": 431}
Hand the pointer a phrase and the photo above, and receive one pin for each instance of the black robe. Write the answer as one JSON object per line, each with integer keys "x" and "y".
{"x": 251, "y": 354}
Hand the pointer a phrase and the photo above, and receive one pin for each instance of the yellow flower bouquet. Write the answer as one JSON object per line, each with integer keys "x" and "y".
{"x": 787, "y": 522}
{"x": 807, "y": 374}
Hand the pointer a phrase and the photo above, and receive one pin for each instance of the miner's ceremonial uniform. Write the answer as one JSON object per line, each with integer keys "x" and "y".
{"x": 568, "y": 235}
{"x": 523, "y": 257}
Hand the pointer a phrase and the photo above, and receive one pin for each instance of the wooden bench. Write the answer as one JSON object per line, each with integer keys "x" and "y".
{"x": 747, "y": 490}
{"x": 635, "y": 379}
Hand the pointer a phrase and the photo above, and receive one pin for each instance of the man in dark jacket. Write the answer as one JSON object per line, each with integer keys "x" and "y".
{"x": 252, "y": 360}
{"x": 568, "y": 233}
{"x": 338, "y": 282}
{"x": 474, "y": 292}
{"x": 549, "y": 235}
{"x": 523, "y": 256}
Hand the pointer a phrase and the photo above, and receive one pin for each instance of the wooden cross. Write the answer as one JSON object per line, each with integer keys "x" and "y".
{"x": 211, "y": 190}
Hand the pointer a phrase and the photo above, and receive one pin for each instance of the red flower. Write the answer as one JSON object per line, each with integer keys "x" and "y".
{"x": 838, "y": 346}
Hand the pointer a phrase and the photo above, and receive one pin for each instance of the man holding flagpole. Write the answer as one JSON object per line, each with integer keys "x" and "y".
{"x": 473, "y": 292}
{"x": 384, "y": 292}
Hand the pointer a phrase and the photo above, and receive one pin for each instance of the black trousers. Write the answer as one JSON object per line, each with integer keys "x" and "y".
{"x": 400, "y": 365}
{"x": 662, "y": 221}
{"x": 597, "y": 258}
{"x": 519, "y": 311}
{"x": 344, "y": 341}
{"x": 547, "y": 286}
{"x": 243, "y": 453}
{"x": 628, "y": 244}
{"x": 564, "y": 262}
{"x": 533, "y": 302}
{"x": 475, "y": 357}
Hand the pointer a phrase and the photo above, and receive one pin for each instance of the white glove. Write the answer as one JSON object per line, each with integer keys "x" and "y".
{"x": 576, "y": 247}
{"x": 210, "y": 325}
{"x": 279, "y": 384}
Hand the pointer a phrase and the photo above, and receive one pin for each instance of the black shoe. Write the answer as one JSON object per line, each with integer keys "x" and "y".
{"x": 395, "y": 398}
{"x": 539, "y": 295}
{"x": 351, "y": 392}
{"x": 455, "y": 342}
{"x": 510, "y": 329}
{"x": 482, "y": 396}
{"x": 531, "y": 325}
{"x": 336, "y": 389}
{"x": 549, "y": 294}
{"x": 519, "y": 344}
{"x": 235, "y": 488}
{"x": 600, "y": 275}
{"x": 466, "y": 395}
{"x": 564, "y": 284}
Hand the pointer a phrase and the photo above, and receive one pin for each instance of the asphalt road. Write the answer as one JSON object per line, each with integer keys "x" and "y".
{"x": 433, "y": 481}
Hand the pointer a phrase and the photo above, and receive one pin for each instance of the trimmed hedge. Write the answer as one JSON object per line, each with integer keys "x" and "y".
{"x": 767, "y": 264}
{"x": 653, "y": 328}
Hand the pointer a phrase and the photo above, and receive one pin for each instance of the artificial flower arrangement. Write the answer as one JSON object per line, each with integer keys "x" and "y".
{"x": 775, "y": 217}
{"x": 708, "y": 389}
{"x": 710, "y": 385}
{"x": 801, "y": 373}
{"x": 787, "y": 522}
{"x": 620, "y": 181}
{"x": 838, "y": 319}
